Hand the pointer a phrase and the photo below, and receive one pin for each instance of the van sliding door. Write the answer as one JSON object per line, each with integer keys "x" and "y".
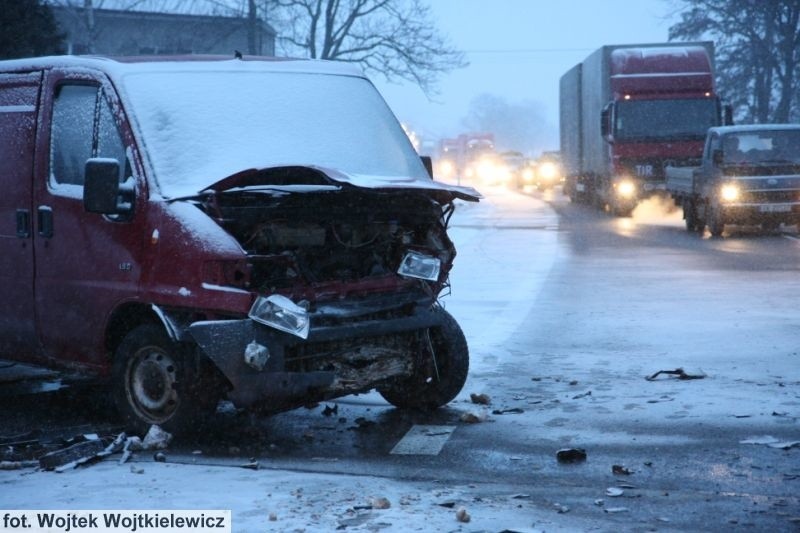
{"x": 19, "y": 95}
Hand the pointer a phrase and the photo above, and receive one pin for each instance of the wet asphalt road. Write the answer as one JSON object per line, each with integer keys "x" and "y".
{"x": 625, "y": 298}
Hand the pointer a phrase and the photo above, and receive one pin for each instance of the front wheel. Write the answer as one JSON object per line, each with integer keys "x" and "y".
{"x": 716, "y": 224}
{"x": 441, "y": 376}
{"x": 154, "y": 383}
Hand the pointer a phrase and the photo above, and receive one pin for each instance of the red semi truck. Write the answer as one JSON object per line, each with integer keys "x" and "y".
{"x": 628, "y": 111}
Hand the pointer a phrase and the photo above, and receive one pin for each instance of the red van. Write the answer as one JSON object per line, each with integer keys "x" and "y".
{"x": 191, "y": 229}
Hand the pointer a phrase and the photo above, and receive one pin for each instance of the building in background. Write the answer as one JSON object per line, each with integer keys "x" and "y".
{"x": 132, "y": 33}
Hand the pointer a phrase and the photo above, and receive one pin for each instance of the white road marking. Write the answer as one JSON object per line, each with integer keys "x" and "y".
{"x": 423, "y": 440}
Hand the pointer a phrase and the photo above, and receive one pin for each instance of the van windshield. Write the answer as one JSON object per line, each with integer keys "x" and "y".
{"x": 199, "y": 127}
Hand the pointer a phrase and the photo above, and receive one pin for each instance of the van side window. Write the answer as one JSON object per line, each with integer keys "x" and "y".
{"x": 83, "y": 127}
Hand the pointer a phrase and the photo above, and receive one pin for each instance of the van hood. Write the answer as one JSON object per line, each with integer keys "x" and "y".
{"x": 312, "y": 177}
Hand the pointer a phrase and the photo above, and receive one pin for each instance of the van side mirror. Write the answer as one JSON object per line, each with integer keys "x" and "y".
{"x": 605, "y": 123}
{"x": 102, "y": 189}
{"x": 428, "y": 164}
{"x": 717, "y": 157}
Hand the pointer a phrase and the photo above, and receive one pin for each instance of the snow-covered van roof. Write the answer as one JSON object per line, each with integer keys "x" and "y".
{"x": 201, "y": 119}
{"x": 119, "y": 65}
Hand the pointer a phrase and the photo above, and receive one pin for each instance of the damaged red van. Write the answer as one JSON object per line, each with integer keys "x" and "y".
{"x": 192, "y": 229}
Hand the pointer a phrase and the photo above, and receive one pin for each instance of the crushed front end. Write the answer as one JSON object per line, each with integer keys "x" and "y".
{"x": 346, "y": 283}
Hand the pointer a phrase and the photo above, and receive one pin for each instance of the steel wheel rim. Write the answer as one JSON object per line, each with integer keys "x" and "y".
{"x": 152, "y": 384}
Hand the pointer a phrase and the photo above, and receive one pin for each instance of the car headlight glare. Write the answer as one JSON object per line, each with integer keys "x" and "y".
{"x": 729, "y": 192}
{"x": 282, "y": 314}
{"x": 420, "y": 266}
{"x": 626, "y": 188}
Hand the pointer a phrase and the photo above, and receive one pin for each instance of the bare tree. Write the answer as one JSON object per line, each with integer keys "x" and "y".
{"x": 395, "y": 38}
{"x": 758, "y": 52}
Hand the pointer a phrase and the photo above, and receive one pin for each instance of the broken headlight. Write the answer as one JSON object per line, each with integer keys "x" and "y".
{"x": 282, "y": 314}
{"x": 421, "y": 266}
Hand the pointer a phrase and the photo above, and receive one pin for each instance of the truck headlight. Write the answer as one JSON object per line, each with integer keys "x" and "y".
{"x": 729, "y": 192}
{"x": 282, "y": 314}
{"x": 626, "y": 189}
{"x": 547, "y": 171}
{"x": 420, "y": 266}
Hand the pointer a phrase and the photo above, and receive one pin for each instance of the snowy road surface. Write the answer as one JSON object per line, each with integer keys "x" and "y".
{"x": 566, "y": 311}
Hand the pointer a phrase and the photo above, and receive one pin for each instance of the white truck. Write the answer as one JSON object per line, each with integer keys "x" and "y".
{"x": 748, "y": 175}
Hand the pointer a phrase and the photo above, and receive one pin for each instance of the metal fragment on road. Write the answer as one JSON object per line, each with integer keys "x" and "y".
{"x": 423, "y": 440}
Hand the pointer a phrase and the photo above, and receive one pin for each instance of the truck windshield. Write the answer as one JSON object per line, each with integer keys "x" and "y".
{"x": 643, "y": 120}
{"x": 766, "y": 146}
{"x": 201, "y": 126}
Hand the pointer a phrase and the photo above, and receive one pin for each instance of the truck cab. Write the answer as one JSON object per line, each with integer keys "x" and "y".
{"x": 748, "y": 175}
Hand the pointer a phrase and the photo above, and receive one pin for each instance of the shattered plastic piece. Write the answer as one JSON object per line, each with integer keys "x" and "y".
{"x": 156, "y": 439}
{"x": 70, "y": 455}
{"x": 571, "y": 455}
{"x": 619, "y": 470}
{"x": 380, "y": 503}
{"x": 677, "y": 372}
{"x": 18, "y": 465}
{"x": 784, "y": 445}
{"x": 480, "y": 399}
{"x": 159, "y": 457}
{"x": 134, "y": 444}
{"x": 584, "y": 395}
{"x": 136, "y": 469}
{"x": 561, "y": 508}
{"x": 473, "y": 418}
{"x": 252, "y": 465}
{"x": 612, "y": 510}
{"x": 328, "y": 411}
{"x": 614, "y": 492}
{"x": 462, "y": 515}
{"x": 510, "y": 411}
{"x": 599, "y": 502}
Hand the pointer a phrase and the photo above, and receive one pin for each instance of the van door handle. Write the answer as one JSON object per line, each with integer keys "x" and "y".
{"x": 23, "y": 223}
{"x": 44, "y": 221}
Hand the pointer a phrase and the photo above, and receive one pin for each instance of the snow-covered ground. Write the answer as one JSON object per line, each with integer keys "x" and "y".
{"x": 500, "y": 268}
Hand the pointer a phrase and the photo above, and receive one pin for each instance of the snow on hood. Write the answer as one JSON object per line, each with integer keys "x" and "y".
{"x": 255, "y": 177}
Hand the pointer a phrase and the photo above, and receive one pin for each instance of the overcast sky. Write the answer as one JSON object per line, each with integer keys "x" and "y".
{"x": 517, "y": 50}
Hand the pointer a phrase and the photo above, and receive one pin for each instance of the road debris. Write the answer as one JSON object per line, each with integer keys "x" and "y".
{"x": 613, "y": 510}
{"x": 18, "y": 465}
{"x": 380, "y": 503}
{"x": 614, "y": 492}
{"x": 160, "y": 457}
{"x": 679, "y": 372}
{"x": 330, "y": 411}
{"x": 600, "y": 502}
{"x": 480, "y": 399}
{"x": 561, "y": 509}
{"x": 76, "y": 453}
{"x": 156, "y": 438}
{"x": 772, "y": 442}
{"x": 462, "y": 515}
{"x": 137, "y": 469}
{"x": 473, "y": 418}
{"x": 251, "y": 465}
{"x": 619, "y": 470}
{"x": 509, "y": 411}
{"x": 584, "y": 395}
{"x": 571, "y": 455}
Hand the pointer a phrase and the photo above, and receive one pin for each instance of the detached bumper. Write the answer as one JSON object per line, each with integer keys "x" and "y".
{"x": 225, "y": 343}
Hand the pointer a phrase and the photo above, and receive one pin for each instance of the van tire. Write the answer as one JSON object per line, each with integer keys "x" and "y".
{"x": 452, "y": 362}
{"x": 154, "y": 383}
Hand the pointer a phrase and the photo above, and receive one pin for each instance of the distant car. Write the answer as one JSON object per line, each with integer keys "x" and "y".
{"x": 518, "y": 169}
{"x": 548, "y": 171}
